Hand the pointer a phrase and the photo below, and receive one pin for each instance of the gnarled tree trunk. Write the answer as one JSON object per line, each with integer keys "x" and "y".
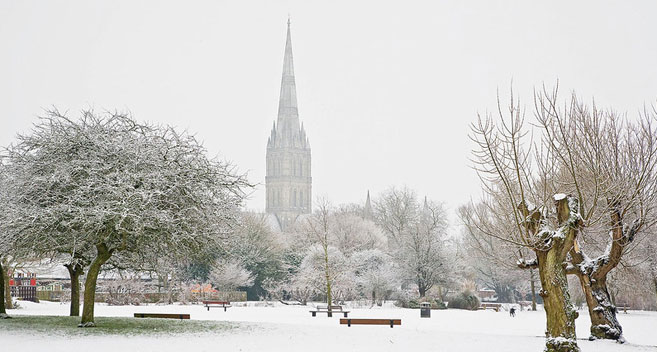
{"x": 602, "y": 312}
{"x": 592, "y": 275}
{"x": 551, "y": 257}
{"x": 560, "y": 313}
{"x": 90, "y": 285}
{"x": 75, "y": 270}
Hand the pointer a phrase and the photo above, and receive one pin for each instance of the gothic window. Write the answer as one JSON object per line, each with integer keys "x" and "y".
{"x": 294, "y": 167}
{"x": 300, "y": 167}
{"x": 301, "y": 198}
{"x": 294, "y": 199}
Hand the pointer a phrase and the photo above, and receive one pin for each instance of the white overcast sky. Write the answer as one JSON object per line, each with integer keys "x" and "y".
{"x": 386, "y": 89}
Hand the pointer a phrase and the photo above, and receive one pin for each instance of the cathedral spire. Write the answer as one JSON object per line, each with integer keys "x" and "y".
{"x": 367, "y": 211}
{"x": 287, "y": 105}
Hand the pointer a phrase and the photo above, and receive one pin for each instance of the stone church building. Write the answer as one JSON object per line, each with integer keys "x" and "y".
{"x": 288, "y": 179}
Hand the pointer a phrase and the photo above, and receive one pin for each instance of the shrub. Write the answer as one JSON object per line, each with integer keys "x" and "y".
{"x": 464, "y": 300}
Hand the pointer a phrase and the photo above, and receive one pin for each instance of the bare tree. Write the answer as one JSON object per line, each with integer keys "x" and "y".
{"x": 604, "y": 161}
{"x": 512, "y": 184}
{"x": 416, "y": 236}
{"x": 493, "y": 259}
{"x": 318, "y": 229}
{"x": 610, "y": 163}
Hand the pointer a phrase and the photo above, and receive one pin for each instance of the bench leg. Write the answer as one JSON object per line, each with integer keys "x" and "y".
{"x": 329, "y": 314}
{"x": 313, "y": 313}
{"x": 349, "y": 323}
{"x": 225, "y": 309}
{"x": 391, "y": 324}
{"x": 345, "y": 315}
{"x": 208, "y": 308}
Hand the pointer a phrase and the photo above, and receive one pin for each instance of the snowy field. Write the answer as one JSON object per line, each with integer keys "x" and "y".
{"x": 291, "y": 328}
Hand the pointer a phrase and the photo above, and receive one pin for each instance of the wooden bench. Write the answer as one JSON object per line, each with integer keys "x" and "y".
{"x": 623, "y": 308}
{"x": 329, "y": 312}
{"x": 221, "y": 304}
{"x": 494, "y": 306}
{"x": 162, "y": 315}
{"x": 363, "y": 321}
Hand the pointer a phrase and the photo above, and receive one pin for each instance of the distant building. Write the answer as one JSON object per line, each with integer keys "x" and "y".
{"x": 487, "y": 295}
{"x": 288, "y": 179}
{"x": 23, "y": 286}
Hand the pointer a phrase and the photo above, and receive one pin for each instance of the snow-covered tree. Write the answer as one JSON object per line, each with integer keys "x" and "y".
{"x": 6, "y": 236}
{"x": 416, "y": 236}
{"x": 120, "y": 186}
{"x": 259, "y": 250}
{"x": 229, "y": 275}
{"x": 375, "y": 274}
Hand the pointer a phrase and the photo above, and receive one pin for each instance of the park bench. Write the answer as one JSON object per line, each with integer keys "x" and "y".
{"x": 162, "y": 315}
{"x": 363, "y": 321}
{"x": 329, "y": 312}
{"x": 623, "y": 308}
{"x": 494, "y": 306}
{"x": 221, "y": 304}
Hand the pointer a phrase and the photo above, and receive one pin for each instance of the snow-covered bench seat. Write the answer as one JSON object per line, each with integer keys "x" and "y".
{"x": 329, "y": 312}
{"x": 221, "y": 304}
{"x": 162, "y": 315}
{"x": 363, "y": 321}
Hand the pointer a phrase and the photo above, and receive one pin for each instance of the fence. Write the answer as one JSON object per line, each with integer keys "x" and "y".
{"x": 150, "y": 297}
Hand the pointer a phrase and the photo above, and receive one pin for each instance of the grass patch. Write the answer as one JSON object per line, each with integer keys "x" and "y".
{"x": 67, "y": 326}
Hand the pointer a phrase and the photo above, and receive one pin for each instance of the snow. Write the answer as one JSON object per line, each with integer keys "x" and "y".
{"x": 559, "y": 196}
{"x": 291, "y": 328}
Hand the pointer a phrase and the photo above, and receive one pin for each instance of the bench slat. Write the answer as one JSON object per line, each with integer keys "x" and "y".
{"x": 363, "y": 321}
{"x": 162, "y": 315}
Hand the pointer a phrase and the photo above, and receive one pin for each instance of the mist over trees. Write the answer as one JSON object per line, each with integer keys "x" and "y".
{"x": 566, "y": 220}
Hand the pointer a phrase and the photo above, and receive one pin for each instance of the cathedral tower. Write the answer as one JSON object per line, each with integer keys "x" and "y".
{"x": 288, "y": 181}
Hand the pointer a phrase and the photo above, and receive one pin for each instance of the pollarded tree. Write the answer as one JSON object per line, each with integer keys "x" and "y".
{"x": 605, "y": 162}
{"x": 513, "y": 182}
{"x": 122, "y": 186}
{"x": 611, "y": 164}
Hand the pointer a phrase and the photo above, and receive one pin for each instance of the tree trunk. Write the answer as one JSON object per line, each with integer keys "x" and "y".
{"x": 532, "y": 284}
{"x": 422, "y": 289}
{"x": 7, "y": 289}
{"x": 593, "y": 278}
{"x": 604, "y": 324}
{"x": 3, "y": 311}
{"x": 75, "y": 270}
{"x": 602, "y": 311}
{"x": 329, "y": 297}
{"x": 90, "y": 285}
{"x": 560, "y": 313}
{"x": 551, "y": 262}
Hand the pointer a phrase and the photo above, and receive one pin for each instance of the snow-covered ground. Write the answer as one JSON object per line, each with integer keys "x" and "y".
{"x": 291, "y": 328}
